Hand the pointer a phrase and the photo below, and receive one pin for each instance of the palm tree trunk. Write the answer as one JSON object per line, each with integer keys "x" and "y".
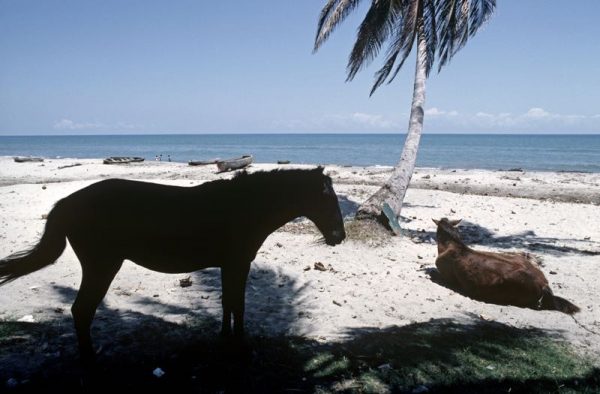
{"x": 385, "y": 205}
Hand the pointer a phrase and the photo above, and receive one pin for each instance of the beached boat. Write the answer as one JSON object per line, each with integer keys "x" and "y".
{"x": 122, "y": 160}
{"x": 26, "y": 159}
{"x": 202, "y": 162}
{"x": 234, "y": 164}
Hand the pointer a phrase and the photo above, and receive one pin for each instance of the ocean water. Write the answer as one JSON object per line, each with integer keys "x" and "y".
{"x": 530, "y": 152}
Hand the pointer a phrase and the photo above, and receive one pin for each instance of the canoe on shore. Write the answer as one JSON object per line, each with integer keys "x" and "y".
{"x": 27, "y": 159}
{"x": 235, "y": 163}
{"x": 122, "y": 160}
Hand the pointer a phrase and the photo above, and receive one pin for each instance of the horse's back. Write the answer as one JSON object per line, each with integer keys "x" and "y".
{"x": 123, "y": 200}
{"x": 150, "y": 223}
{"x": 493, "y": 277}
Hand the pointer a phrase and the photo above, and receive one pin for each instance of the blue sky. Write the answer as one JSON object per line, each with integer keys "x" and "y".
{"x": 140, "y": 66}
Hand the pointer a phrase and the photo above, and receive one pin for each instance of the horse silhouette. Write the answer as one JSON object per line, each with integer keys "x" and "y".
{"x": 175, "y": 229}
{"x": 497, "y": 278}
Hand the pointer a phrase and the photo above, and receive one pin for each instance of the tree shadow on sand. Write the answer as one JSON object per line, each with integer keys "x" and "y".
{"x": 444, "y": 355}
{"x": 474, "y": 234}
{"x": 132, "y": 344}
{"x": 528, "y": 240}
{"x": 467, "y": 356}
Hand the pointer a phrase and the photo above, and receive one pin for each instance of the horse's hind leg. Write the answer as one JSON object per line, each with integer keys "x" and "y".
{"x": 97, "y": 275}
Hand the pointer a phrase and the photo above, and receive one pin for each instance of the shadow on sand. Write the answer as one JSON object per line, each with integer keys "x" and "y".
{"x": 474, "y": 234}
{"x": 446, "y": 355}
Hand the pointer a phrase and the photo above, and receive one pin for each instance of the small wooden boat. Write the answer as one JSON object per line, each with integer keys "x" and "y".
{"x": 234, "y": 164}
{"x": 122, "y": 160}
{"x": 202, "y": 162}
{"x": 27, "y": 159}
{"x": 283, "y": 162}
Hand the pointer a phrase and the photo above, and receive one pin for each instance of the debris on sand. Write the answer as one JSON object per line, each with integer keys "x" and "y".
{"x": 158, "y": 372}
{"x": 185, "y": 282}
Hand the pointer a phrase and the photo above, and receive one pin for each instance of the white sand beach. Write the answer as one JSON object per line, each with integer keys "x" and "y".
{"x": 376, "y": 284}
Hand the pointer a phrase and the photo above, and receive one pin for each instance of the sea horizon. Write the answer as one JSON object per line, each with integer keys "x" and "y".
{"x": 541, "y": 152}
{"x": 166, "y": 133}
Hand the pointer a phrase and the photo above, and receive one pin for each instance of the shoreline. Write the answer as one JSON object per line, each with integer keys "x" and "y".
{"x": 286, "y": 295}
{"x": 560, "y": 186}
{"x": 382, "y": 166}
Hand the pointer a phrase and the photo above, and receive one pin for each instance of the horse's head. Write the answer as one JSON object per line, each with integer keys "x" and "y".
{"x": 323, "y": 208}
{"x": 447, "y": 231}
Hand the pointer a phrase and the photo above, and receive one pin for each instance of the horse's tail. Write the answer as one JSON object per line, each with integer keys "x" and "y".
{"x": 48, "y": 249}
{"x": 552, "y": 302}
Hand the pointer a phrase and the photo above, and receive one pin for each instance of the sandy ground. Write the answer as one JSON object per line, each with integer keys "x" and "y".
{"x": 367, "y": 284}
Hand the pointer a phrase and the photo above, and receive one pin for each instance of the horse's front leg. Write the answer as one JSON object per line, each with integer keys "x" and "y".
{"x": 233, "y": 283}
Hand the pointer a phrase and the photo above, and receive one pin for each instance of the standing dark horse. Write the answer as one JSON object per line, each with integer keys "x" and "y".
{"x": 175, "y": 230}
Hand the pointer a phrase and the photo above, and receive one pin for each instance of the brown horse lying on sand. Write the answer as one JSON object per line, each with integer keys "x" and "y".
{"x": 174, "y": 230}
{"x": 497, "y": 278}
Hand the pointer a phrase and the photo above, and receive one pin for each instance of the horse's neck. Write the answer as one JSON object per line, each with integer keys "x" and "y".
{"x": 445, "y": 241}
{"x": 274, "y": 213}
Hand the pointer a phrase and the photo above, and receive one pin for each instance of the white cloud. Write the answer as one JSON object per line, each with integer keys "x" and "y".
{"x": 533, "y": 119}
{"x": 376, "y": 121}
{"x": 537, "y": 113}
{"x": 354, "y": 122}
{"x": 68, "y": 124}
{"x": 438, "y": 112}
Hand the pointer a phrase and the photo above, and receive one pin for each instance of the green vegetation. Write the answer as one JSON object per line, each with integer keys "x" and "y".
{"x": 440, "y": 356}
{"x": 446, "y": 356}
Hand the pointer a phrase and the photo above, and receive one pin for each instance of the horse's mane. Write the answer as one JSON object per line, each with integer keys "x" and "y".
{"x": 293, "y": 174}
{"x": 283, "y": 179}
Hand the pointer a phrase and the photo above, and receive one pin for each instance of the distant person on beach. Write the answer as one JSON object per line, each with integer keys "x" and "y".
{"x": 169, "y": 158}
{"x": 156, "y": 158}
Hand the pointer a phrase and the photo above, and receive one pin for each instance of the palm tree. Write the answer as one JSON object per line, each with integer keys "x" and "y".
{"x": 441, "y": 26}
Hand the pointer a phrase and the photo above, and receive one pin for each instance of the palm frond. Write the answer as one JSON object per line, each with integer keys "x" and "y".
{"x": 430, "y": 32}
{"x": 372, "y": 33}
{"x": 446, "y": 17}
{"x": 412, "y": 12}
{"x": 457, "y": 21}
{"x": 444, "y": 26}
{"x": 382, "y": 74}
{"x": 462, "y": 25}
{"x": 481, "y": 11}
{"x": 334, "y": 12}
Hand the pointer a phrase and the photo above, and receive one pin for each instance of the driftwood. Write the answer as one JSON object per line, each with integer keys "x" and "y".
{"x": 202, "y": 162}
{"x": 27, "y": 159}
{"x": 69, "y": 166}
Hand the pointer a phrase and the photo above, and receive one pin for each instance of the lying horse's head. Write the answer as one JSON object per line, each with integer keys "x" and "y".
{"x": 447, "y": 231}
{"x": 323, "y": 209}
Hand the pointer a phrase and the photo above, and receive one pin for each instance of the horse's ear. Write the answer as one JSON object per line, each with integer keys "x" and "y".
{"x": 437, "y": 222}
{"x": 454, "y": 223}
{"x": 320, "y": 169}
